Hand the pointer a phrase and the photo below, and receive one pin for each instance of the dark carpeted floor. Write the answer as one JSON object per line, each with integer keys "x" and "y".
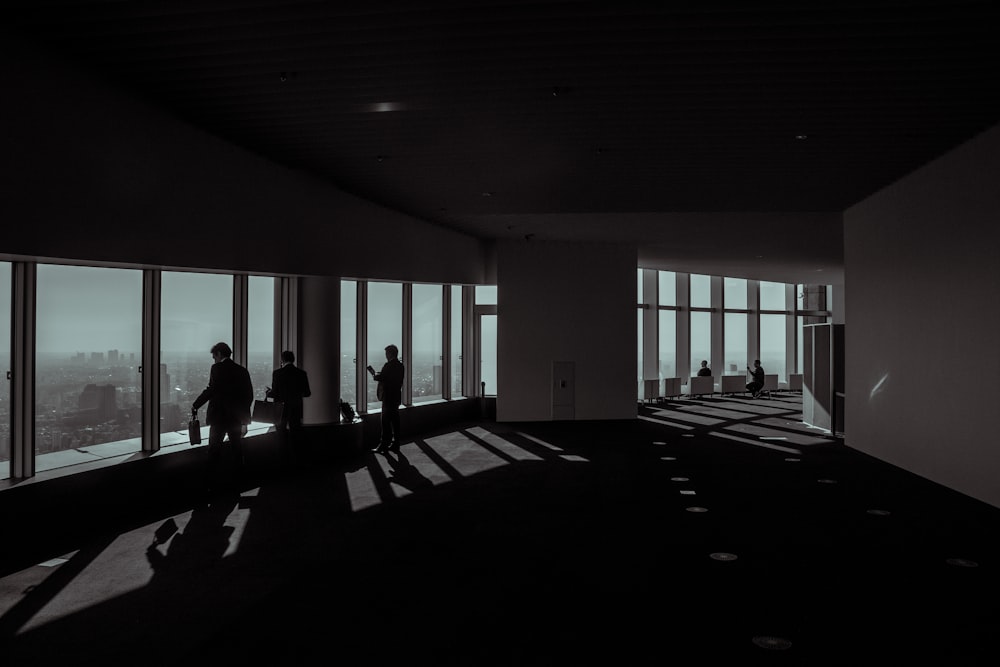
{"x": 704, "y": 532}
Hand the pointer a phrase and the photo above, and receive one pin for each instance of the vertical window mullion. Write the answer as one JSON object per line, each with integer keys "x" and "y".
{"x": 22, "y": 390}
{"x": 150, "y": 361}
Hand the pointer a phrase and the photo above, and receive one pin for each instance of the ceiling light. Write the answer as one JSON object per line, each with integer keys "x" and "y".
{"x": 801, "y": 137}
{"x": 382, "y": 107}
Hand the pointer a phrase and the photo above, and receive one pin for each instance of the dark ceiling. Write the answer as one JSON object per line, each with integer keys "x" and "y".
{"x": 645, "y": 122}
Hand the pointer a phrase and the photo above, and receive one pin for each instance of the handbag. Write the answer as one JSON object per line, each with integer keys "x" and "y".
{"x": 194, "y": 431}
{"x": 267, "y": 412}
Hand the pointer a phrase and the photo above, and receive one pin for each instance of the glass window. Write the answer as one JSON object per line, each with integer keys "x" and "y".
{"x": 667, "y": 288}
{"x": 488, "y": 350}
{"x": 486, "y": 295}
{"x": 5, "y": 423}
{"x": 638, "y": 373}
{"x": 772, "y": 345}
{"x": 800, "y": 344}
{"x": 427, "y": 343}
{"x": 800, "y": 297}
{"x": 772, "y": 297}
{"x": 260, "y": 333}
{"x": 734, "y": 345}
{"x": 734, "y": 293}
{"x": 668, "y": 344}
{"x": 196, "y": 312}
{"x": 638, "y": 289}
{"x": 88, "y": 338}
{"x": 385, "y": 327}
{"x": 349, "y": 342}
{"x": 701, "y": 341}
{"x": 456, "y": 341}
{"x": 701, "y": 292}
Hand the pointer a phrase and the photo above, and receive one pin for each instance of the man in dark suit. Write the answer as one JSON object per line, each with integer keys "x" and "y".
{"x": 229, "y": 395}
{"x": 289, "y": 385}
{"x": 390, "y": 386}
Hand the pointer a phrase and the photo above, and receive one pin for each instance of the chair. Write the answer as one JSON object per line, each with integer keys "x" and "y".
{"x": 701, "y": 385}
{"x": 770, "y": 384}
{"x": 651, "y": 390}
{"x": 733, "y": 384}
{"x": 671, "y": 387}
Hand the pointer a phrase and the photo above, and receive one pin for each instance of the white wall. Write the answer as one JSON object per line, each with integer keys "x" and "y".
{"x": 923, "y": 323}
{"x": 92, "y": 174}
{"x": 566, "y": 302}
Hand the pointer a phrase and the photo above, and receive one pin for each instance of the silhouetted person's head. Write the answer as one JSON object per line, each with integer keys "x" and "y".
{"x": 391, "y": 352}
{"x": 221, "y": 351}
{"x": 704, "y": 364}
{"x": 756, "y": 362}
{"x": 288, "y": 357}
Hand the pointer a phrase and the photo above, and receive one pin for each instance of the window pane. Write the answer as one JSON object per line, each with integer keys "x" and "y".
{"x": 260, "y": 333}
{"x": 488, "y": 350}
{"x": 385, "y": 326}
{"x": 701, "y": 341}
{"x": 486, "y": 295}
{"x": 799, "y": 344}
{"x": 456, "y": 341}
{"x": 5, "y": 424}
{"x": 196, "y": 312}
{"x": 772, "y": 345}
{"x": 668, "y": 344}
{"x": 349, "y": 342}
{"x": 88, "y": 344}
{"x": 638, "y": 289}
{"x": 667, "y": 288}
{"x": 734, "y": 345}
{"x": 701, "y": 292}
{"x": 772, "y": 297}
{"x": 638, "y": 373}
{"x": 734, "y": 292}
{"x": 428, "y": 343}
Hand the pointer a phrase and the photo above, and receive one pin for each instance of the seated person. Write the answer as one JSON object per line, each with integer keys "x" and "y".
{"x": 704, "y": 370}
{"x": 755, "y": 385}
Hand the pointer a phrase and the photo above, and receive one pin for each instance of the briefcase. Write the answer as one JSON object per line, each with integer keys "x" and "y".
{"x": 267, "y": 412}
{"x": 194, "y": 431}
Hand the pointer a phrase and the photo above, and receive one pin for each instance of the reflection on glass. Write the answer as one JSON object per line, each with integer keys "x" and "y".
{"x": 196, "y": 312}
{"x": 701, "y": 292}
{"x": 456, "y": 341}
{"x": 701, "y": 341}
{"x": 486, "y": 295}
{"x": 87, "y": 387}
{"x": 734, "y": 345}
{"x": 668, "y": 344}
{"x": 5, "y": 415}
{"x": 260, "y": 333}
{"x": 349, "y": 342}
{"x": 772, "y": 345}
{"x": 667, "y": 288}
{"x": 734, "y": 292}
{"x": 385, "y": 326}
{"x": 425, "y": 370}
{"x": 772, "y": 296}
{"x": 488, "y": 351}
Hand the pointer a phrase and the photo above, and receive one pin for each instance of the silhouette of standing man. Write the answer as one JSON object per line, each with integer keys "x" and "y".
{"x": 229, "y": 395}
{"x": 390, "y": 392}
{"x": 289, "y": 384}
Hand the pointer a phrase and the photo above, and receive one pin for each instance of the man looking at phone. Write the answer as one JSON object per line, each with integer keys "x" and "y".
{"x": 390, "y": 392}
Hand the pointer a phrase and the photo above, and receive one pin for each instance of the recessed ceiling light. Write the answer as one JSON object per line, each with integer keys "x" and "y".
{"x": 487, "y": 194}
{"x": 800, "y": 137}
{"x": 382, "y": 107}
